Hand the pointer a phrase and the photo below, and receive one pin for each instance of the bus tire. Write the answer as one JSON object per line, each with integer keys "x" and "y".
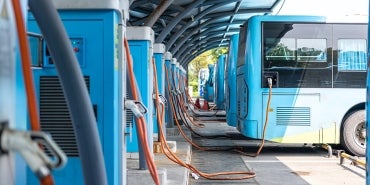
{"x": 354, "y": 133}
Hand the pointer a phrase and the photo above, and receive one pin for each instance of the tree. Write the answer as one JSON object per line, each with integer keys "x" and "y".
{"x": 202, "y": 61}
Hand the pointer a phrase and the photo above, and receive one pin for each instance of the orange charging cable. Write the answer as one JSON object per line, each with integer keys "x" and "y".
{"x": 141, "y": 125}
{"x": 27, "y": 76}
{"x": 170, "y": 155}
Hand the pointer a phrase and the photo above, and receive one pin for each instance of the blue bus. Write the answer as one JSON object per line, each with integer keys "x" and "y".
{"x": 318, "y": 74}
{"x": 230, "y": 81}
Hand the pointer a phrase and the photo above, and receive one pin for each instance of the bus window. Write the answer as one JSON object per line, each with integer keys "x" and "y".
{"x": 280, "y": 49}
{"x": 297, "y": 54}
{"x": 311, "y": 50}
{"x": 352, "y": 55}
{"x": 242, "y": 45}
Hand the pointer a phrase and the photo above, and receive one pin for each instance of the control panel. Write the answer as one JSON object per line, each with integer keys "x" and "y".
{"x": 78, "y": 48}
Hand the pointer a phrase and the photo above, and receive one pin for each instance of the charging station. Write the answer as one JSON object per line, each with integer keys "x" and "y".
{"x": 230, "y": 81}
{"x": 182, "y": 82}
{"x": 175, "y": 81}
{"x": 220, "y": 82}
{"x": 141, "y": 40}
{"x": 159, "y": 57}
{"x": 168, "y": 81}
{"x": 95, "y": 31}
{"x": 178, "y": 79}
{"x": 174, "y": 70}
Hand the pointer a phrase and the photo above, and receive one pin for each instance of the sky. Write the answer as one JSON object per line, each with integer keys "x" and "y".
{"x": 329, "y": 8}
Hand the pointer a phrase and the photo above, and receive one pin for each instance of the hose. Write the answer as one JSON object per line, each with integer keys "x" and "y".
{"x": 219, "y": 149}
{"x": 140, "y": 121}
{"x": 48, "y": 180}
{"x": 26, "y": 66}
{"x": 27, "y": 76}
{"x": 185, "y": 117}
{"x": 155, "y": 82}
{"x": 189, "y": 101}
{"x": 171, "y": 100}
{"x": 182, "y": 102}
{"x": 170, "y": 155}
{"x": 75, "y": 91}
{"x": 269, "y": 82}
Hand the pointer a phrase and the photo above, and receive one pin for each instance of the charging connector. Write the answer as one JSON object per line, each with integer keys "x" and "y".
{"x": 137, "y": 108}
{"x": 28, "y": 145}
{"x": 162, "y": 99}
{"x": 269, "y": 82}
{"x": 273, "y": 76}
{"x": 3, "y": 125}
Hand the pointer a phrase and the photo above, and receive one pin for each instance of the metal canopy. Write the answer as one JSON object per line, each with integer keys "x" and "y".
{"x": 190, "y": 27}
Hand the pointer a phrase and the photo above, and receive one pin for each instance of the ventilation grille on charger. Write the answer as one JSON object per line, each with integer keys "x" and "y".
{"x": 54, "y": 114}
{"x": 129, "y": 114}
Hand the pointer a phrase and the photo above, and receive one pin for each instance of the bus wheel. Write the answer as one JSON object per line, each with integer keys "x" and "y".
{"x": 354, "y": 133}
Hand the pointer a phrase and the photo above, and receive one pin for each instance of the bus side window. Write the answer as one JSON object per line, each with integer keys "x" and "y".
{"x": 282, "y": 49}
{"x": 352, "y": 55}
{"x": 352, "y": 64}
{"x": 311, "y": 50}
{"x": 351, "y": 61}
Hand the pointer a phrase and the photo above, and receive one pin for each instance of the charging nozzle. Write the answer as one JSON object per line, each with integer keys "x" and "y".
{"x": 136, "y": 107}
{"x": 28, "y": 145}
{"x": 162, "y": 99}
{"x": 270, "y": 79}
{"x": 269, "y": 82}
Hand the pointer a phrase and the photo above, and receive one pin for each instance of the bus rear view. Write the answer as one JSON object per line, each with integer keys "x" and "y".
{"x": 318, "y": 74}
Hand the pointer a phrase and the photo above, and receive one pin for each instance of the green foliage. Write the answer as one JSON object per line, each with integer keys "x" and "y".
{"x": 195, "y": 85}
{"x": 202, "y": 61}
{"x": 280, "y": 50}
{"x": 217, "y": 52}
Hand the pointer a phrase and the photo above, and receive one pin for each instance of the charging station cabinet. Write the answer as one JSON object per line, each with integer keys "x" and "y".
{"x": 96, "y": 37}
{"x": 159, "y": 50}
{"x": 230, "y": 81}
{"x": 140, "y": 39}
{"x": 182, "y": 83}
{"x": 176, "y": 76}
{"x": 220, "y": 82}
{"x": 182, "y": 77}
{"x": 175, "y": 83}
{"x": 169, "y": 118}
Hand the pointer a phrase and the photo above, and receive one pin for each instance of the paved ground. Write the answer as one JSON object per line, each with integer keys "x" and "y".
{"x": 276, "y": 165}
{"x": 287, "y": 165}
{"x": 302, "y": 166}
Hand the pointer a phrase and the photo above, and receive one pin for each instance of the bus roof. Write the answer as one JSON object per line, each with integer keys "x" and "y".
{"x": 307, "y": 18}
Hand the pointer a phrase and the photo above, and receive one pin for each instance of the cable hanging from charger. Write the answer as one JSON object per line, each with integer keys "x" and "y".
{"x": 170, "y": 155}
{"x": 140, "y": 120}
{"x": 236, "y": 149}
{"x": 46, "y": 178}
